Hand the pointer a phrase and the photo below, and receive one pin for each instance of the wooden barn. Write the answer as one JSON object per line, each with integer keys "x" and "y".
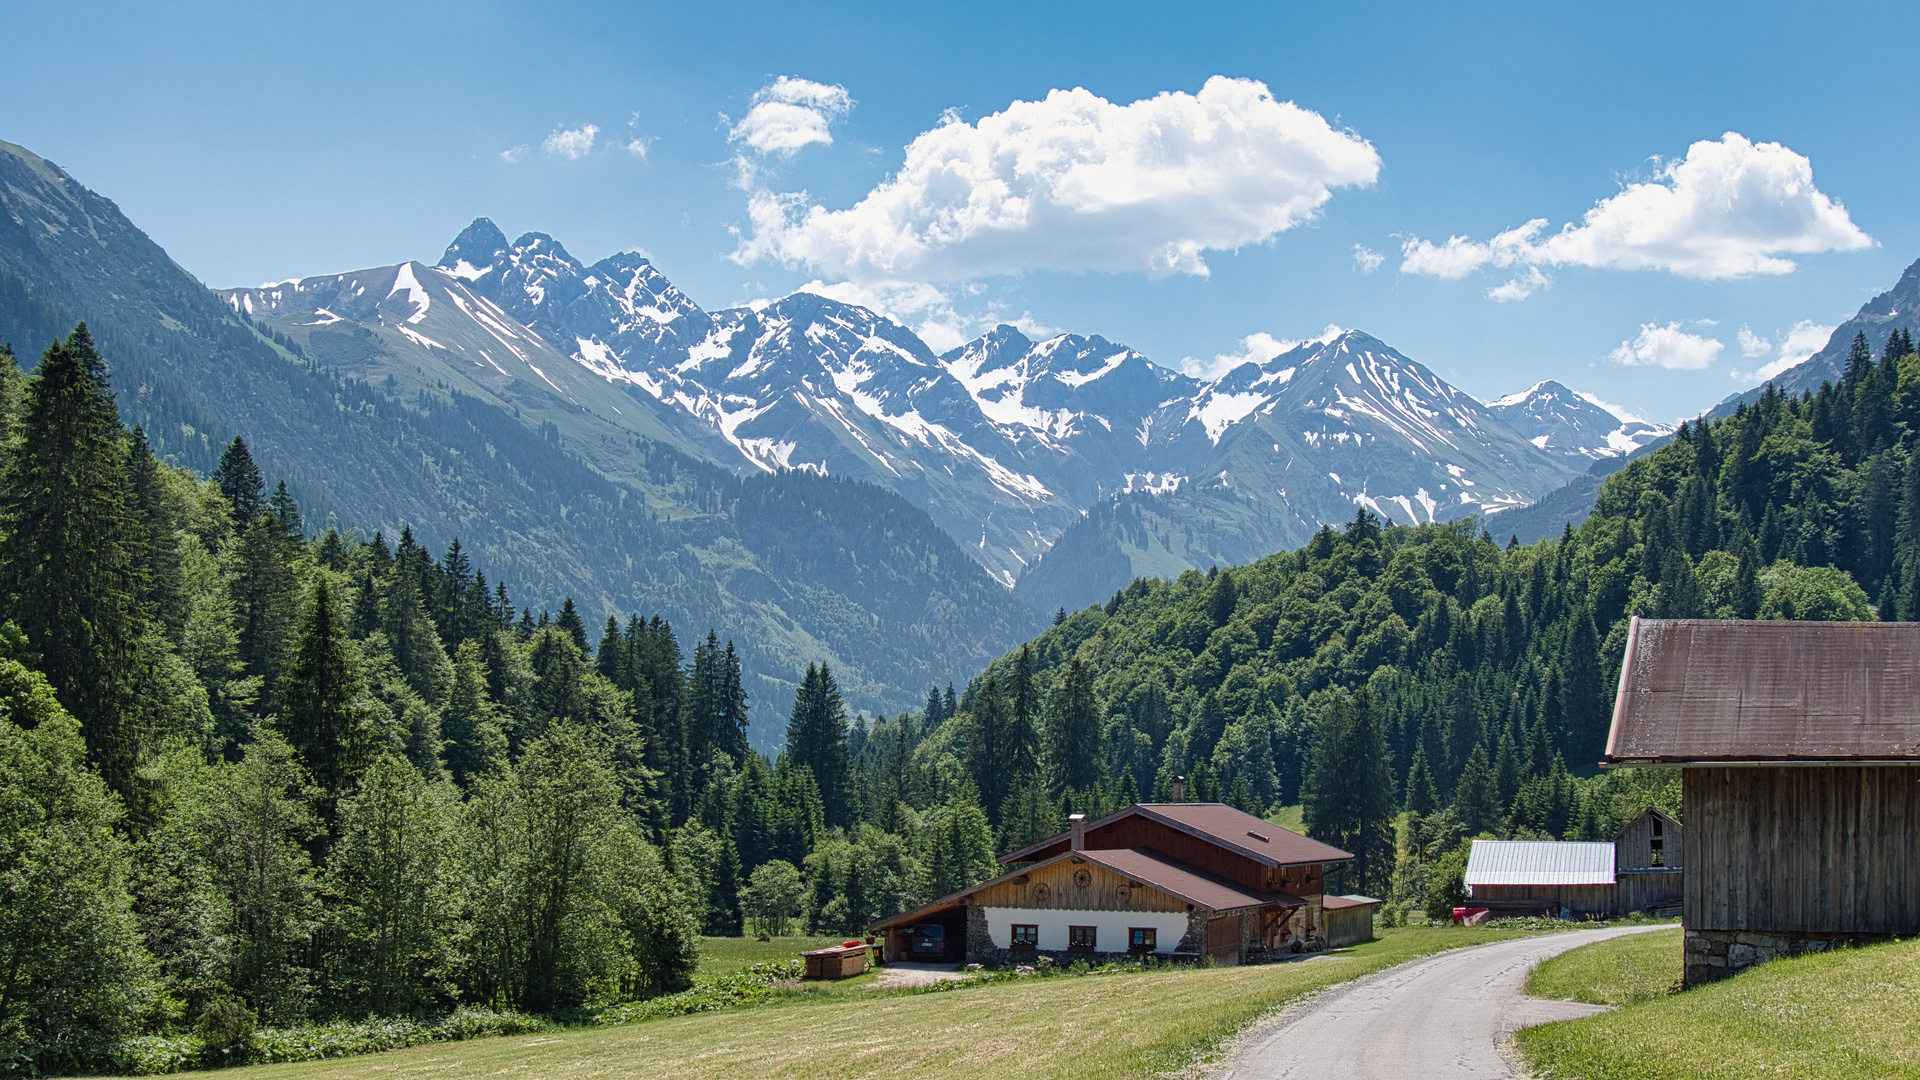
{"x": 1800, "y": 750}
{"x": 1164, "y": 879}
{"x": 1642, "y": 869}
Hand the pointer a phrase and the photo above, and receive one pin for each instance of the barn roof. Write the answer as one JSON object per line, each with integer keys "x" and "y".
{"x": 1177, "y": 879}
{"x": 1184, "y": 880}
{"x": 1351, "y": 900}
{"x": 1217, "y": 823}
{"x": 1539, "y": 862}
{"x": 1722, "y": 690}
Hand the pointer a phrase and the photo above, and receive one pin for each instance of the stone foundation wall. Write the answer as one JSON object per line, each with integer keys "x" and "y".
{"x": 1712, "y": 955}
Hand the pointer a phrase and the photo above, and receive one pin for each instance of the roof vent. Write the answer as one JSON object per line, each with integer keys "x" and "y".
{"x": 1256, "y": 836}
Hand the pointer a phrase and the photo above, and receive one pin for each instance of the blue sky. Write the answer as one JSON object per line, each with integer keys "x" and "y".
{"x": 261, "y": 142}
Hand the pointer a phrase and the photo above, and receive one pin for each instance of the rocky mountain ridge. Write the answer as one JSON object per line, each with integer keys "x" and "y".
{"x": 1005, "y": 442}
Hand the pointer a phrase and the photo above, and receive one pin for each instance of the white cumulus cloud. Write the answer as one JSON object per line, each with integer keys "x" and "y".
{"x": 1796, "y": 344}
{"x": 1366, "y": 260}
{"x": 571, "y": 143}
{"x": 1520, "y": 287}
{"x": 513, "y": 153}
{"x": 789, "y": 114}
{"x": 1667, "y": 346}
{"x": 1731, "y": 208}
{"x": 1075, "y": 182}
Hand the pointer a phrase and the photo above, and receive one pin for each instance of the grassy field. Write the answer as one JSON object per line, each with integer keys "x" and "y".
{"x": 1088, "y": 1028}
{"x": 1624, "y": 971}
{"x": 1850, "y": 1014}
{"x": 1290, "y": 817}
{"x": 725, "y": 955}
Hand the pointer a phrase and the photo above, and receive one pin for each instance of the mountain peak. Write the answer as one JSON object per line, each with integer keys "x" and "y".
{"x": 479, "y": 245}
{"x": 1574, "y": 424}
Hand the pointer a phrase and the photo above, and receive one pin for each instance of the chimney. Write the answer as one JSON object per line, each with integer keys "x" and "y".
{"x": 1179, "y": 789}
{"x": 1078, "y": 825}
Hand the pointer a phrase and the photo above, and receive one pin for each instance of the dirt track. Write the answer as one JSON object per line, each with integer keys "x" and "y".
{"x": 1442, "y": 1017}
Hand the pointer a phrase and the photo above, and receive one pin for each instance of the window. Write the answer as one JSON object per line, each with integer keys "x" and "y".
{"x": 1140, "y": 939}
{"x": 1026, "y": 937}
{"x": 1081, "y": 938}
{"x": 1658, "y": 843}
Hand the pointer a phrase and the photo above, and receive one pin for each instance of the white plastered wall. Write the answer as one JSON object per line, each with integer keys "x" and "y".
{"x": 1110, "y": 927}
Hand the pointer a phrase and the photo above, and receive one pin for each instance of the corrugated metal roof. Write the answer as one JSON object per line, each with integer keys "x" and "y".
{"x": 1351, "y": 900}
{"x": 1235, "y": 830}
{"x": 1540, "y": 862}
{"x": 1724, "y": 690}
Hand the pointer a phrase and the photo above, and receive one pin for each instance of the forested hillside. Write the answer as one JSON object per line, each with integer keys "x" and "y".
{"x": 1431, "y": 670}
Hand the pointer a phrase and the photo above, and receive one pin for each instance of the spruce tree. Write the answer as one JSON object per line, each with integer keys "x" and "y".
{"x": 322, "y": 713}
{"x": 817, "y": 739}
{"x": 238, "y": 478}
{"x": 1075, "y": 758}
{"x": 570, "y": 622}
{"x": 67, "y": 570}
{"x": 1349, "y": 799}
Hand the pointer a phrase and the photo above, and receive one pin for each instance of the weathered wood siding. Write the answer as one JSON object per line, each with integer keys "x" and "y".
{"x": 1636, "y": 890}
{"x": 1350, "y": 926}
{"x": 1633, "y": 850}
{"x": 1140, "y": 832}
{"x": 1594, "y": 899}
{"x": 1101, "y": 893}
{"x": 1803, "y": 849}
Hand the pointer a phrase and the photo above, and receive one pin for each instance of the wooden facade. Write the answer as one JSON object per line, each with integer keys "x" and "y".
{"x": 1057, "y": 886}
{"x": 1799, "y": 745}
{"x": 1830, "y": 850}
{"x": 1200, "y": 879}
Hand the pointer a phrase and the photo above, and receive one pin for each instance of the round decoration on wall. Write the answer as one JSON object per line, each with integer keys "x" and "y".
{"x": 1041, "y": 893}
{"x": 1124, "y": 893}
{"x": 1083, "y": 877}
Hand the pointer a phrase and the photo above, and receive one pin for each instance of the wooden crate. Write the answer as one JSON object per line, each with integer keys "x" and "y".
{"x": 837, "y": 962}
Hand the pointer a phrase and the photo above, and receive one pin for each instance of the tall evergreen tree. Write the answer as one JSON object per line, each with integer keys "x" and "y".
{"x": 1349, "y": 799}
{"x": 322, "y": 712}
{"x": 238, "y": 478}
{"x": 67, "y": 569}
{"x": 817, "y": 739}
{"x": 1075, "y": 757}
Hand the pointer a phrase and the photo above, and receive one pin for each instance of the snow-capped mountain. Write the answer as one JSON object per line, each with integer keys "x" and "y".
{"x": 1006, "y": 442}
{"x": 1573, "y": 424}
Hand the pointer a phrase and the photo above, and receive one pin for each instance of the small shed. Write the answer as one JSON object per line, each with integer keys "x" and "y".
{"x": 841, "y": 961}
{"x": 1799, "y": 745}
{"x": 1349, "y": 918}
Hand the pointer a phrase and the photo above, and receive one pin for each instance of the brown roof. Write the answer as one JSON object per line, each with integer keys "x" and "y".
{"x": 1336, "y": 903}
{"x": 1235, "y": 830}
{"x": 1183, "y": 880}
{"x": 1723, "y": 690}
{"x": 1169, "y": 875}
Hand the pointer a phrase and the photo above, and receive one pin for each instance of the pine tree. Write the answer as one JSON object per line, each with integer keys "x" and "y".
{"x": 321, "y": 708}
{"x": 238, "y": 478}
{"x": 1349, "y": 800}
{"x": 987, "y": 742}
{"x": 67, "y": 569}
{"x": 570, "y": 622}
{"x": 1075, "y": 759}
{"x": 473, "y": 724}
{"x": 1476, "y": 799}
{"x": 1421, "y": 798}
{"x": 817, "y": 739}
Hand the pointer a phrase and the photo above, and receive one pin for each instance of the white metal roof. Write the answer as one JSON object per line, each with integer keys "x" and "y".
{"x": 1540, "y": 862}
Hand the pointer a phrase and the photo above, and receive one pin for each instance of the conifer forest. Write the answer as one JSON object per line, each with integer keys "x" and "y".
{"x": 255, "y": 773}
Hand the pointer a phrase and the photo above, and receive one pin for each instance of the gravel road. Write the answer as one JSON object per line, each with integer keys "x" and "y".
{"x": 1442, "y": 1017}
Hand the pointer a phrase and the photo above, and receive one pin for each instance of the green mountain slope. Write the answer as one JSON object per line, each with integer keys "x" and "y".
{"x": 552, "y": 504}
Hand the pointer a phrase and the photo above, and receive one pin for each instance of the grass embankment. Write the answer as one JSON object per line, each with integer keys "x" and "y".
{"x": 1089, "y": 1028}
{"x": 1849, "y": 1014}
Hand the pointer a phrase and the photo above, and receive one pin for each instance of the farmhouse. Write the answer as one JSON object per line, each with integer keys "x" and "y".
{"x": 1800, "y": 750}
{"x": 1164, "y": 879}
{"x": 1640, "y": 870}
